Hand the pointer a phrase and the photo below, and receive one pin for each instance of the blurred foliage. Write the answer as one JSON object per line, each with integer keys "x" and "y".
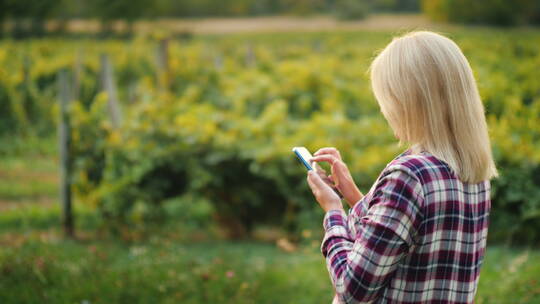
{"x": 217, "y": 131}
{"x": 495, "y": 12}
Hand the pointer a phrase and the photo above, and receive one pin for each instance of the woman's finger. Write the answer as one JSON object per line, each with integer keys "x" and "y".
{"x": 316, "y": 181}
{"x": 320, "y": 171}
{"x": 328, "y": 181}
{"x": 328, "y": 150}
{"x": 318, "y": 168}
{"x": 310, "y": 182}
{"x": 325, "y": 158}
{"x": 324, "y": 177}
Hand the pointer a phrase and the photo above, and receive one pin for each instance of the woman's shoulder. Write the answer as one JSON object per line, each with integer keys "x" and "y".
{"x": 422, "y": 165}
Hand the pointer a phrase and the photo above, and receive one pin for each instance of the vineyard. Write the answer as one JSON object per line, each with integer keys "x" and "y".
{"x": 207, "y": 123}
{"x": 180, "y": 144}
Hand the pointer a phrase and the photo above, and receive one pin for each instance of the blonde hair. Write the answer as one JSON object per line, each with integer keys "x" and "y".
{"x": 427, "y": 92}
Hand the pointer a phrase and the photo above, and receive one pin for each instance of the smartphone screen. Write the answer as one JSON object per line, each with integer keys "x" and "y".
{"x": 304, "y": 156}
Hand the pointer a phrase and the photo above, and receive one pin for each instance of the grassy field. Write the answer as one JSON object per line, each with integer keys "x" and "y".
{"x": 161, "y": 270}
{"x": 172, "y": 264}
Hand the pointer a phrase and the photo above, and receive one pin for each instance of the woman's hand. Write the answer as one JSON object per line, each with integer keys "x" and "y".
{"x": 341, "y": 177}
{"x": 326, "y": 196}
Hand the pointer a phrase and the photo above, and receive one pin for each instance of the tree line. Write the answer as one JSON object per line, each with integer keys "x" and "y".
{"x": 30, "y": 16}
{"x": 495, "y": 12}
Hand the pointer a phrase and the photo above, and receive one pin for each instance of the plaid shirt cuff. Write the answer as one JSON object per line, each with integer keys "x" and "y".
{"x": 334, "y": 218}
{"x": 335, "y": 227}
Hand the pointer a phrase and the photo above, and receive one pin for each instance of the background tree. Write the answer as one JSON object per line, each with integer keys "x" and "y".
{"x": 119, "y": 10}
{"x": 29, "y": 16}
{"x": 496, "y": 12}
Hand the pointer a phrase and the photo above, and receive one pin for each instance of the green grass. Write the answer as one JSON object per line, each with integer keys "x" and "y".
{"x": 37, "y": 265}
{"x": 29, "y": 178}
{"x": 160, "y": 270}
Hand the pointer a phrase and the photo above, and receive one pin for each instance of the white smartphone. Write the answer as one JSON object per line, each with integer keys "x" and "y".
{"x": 304, "y": 156}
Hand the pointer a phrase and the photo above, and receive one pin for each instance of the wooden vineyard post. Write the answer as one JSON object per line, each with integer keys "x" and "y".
{"x": 27, "y": 63}
{"x": 250, "y": 56}
{"x": 163, "y": 68}
{"x": 77, "y": 74}
{"x": 108, "y": 85}
{"x": 218, "y": 61}
{"x": 65, "y": 161}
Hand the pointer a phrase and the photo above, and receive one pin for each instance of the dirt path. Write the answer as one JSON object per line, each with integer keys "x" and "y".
{"x": 266, "y": 24}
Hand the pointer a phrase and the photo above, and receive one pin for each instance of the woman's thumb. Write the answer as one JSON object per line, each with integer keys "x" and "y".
{"x": 315, "y": 178}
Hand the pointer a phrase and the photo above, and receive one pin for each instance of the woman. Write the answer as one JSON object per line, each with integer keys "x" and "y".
{"x": 419, "y": 234}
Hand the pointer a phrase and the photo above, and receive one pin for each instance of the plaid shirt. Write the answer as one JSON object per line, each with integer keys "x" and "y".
{"x": 418, "y": 236}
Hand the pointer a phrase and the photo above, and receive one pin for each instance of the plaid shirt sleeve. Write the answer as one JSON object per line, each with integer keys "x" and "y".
{"x": 361, "y": 268}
